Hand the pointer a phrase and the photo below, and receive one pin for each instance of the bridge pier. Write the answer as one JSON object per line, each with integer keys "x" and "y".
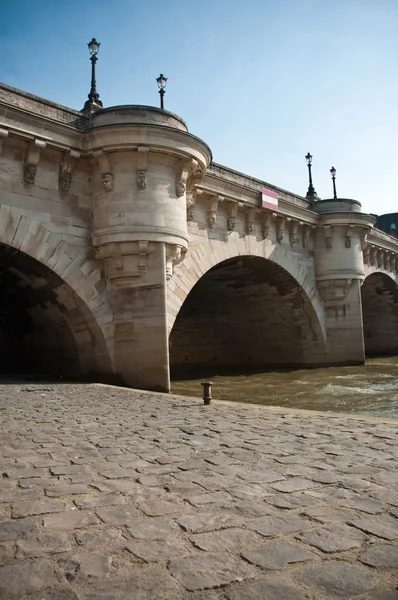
{"x": 339, "y": 272}
{"x": 141, "y": 352}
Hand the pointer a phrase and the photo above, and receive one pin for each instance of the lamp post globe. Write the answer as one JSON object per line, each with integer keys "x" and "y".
{"x": 311, "y": 190}
{"x": 333, "y": 174}
{"x": 161, "y": 81}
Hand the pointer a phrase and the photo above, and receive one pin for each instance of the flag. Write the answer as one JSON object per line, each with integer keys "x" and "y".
{"x": 269, "y": 199}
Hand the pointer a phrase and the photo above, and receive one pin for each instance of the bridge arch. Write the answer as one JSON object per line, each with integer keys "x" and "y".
{"x": 253, "y": 309}
{"x": 379, "y": 293}
{"x": 48, "y": 325}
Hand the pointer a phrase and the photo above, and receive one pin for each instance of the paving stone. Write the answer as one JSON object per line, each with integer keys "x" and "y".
{"x": 203, "y": 522}
{"x": 19, "y": 495}
{"x": 381, "y": 525}
{"x": 84, "y": 566}
{"x": 337, "y": 578}
{"x": 124, "y": 486}
{"x": 95, "y": 538}
{"x": 111, "y": 499}
{"x": 291, "y": 501}
{"x": 335, "y": 538}
{"x": 270, "y": 589}
{"x": 385, "y": 596}
{"x": 56, "y": 593}
{"x": 25, "y": 577}
{"x": 39, "y": 507}
{"x": 184, "y": 489}
{"x": 325, "y": 477}
{"x": 18, "y": 529}
{"x": 146, "y": 584}
{"x": 45, "y": 543}
{"x": 388, "y": 496}
{"x": 38, "y": 482}
{"x": 69, "y": 520}
{"x": 157, "y": 550}
{"x": 367, "y": 505}
{"x": 118, "y": 515}
{"x": 266, "y": 476}
{"x": 210, "y": 570}
{"x": 151, "y": 528}
{"x": 68, "y": 470}
{"x": 118, "y": 473}
{"x": 157, "y": 507}
{"x": 210, "y": 498}
{"x": 293, "y": 484}
{"x": 149, "y": 481}
{"x": 381, "y": 557}
{"x": 277, "y": 554}
{"x": 274, "y": 526}
{"x": 6, "y": 484}
{"x": 66, "y": 490}
{"x": 249, "y": 509}
{"x": 249, "y": 492}
{"x": 226, "y": 539}
{"x": 327, "y": 514}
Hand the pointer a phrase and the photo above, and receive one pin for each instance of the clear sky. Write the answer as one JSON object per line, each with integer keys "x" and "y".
{"x": 261, "y": 81}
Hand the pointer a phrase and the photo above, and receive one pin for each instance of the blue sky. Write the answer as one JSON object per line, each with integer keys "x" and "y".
{"x": 261, "y": 81}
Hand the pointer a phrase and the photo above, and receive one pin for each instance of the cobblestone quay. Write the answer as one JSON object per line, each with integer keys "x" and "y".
{"x": 117, "y": 494}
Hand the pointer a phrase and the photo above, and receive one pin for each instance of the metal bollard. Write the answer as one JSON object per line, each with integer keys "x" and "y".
{"x": 207, "y": 392}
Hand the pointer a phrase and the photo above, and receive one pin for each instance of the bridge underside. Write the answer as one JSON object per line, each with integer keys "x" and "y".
{"x": 45, "y": 330}
{"x": 380, "y": 315}
{"x": 246, "y": 313}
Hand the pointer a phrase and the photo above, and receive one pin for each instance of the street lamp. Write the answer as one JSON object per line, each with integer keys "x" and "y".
{"x": 161, "y": 81}
{"x": 311, "y": 190}
{"x": 333, "y": 174}
{"x": 93, "y": 97}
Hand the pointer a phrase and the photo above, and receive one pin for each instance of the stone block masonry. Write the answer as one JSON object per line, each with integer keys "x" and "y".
{"x": 125, "y": 251}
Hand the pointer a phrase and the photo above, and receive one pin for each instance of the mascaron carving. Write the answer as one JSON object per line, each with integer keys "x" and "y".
{"x": 231, "y": 223}
{"x": 108, "y": 181}
{"x": 181, "y": 187}
{"x": 29, "y": 174}
{"x": 65, "y": 178}
{"x": 141, "y": 179}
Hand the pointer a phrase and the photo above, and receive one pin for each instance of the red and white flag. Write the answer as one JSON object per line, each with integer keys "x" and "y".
{"x": 269, "y": 199}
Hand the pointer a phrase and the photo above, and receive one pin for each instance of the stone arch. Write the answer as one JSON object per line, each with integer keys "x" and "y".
{"x": 54, "y": 287}
{"x": 246, "y": 311}
{"x": 204, "y": 257}
{"x": 379, "y": 294}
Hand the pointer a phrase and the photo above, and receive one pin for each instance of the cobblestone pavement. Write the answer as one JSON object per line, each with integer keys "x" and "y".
{"x": 116, "y": 494}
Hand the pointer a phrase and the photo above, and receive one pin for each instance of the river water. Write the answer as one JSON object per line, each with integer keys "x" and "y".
{"x": 371, "y": 389}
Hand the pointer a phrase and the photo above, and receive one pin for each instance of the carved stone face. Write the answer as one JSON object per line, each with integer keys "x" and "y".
{"x": 231, "y": 223}
{"x": 211, "y": 219}
{"x": 141, "y": 179}
{"x": 65, "y": 180}
{"x": 29, "y": 174}
{"x": 180, "y": 188}
{"x": 107, "y": 181}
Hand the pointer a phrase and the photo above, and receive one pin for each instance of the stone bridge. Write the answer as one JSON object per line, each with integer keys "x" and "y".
{"x": 125, "y": 251}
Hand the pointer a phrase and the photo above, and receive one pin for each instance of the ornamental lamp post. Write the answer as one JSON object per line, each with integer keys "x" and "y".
{"x": 333, "y": 174}
{"x": 311, "y": 190}
{"x": 93, "y": 101}
{"x": 161, "y": 81}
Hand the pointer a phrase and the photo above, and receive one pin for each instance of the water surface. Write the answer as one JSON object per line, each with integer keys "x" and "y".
{"x": 370, "y": 389}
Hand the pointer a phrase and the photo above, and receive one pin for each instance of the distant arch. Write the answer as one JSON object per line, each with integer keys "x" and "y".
{"x": 379, "y": 293}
